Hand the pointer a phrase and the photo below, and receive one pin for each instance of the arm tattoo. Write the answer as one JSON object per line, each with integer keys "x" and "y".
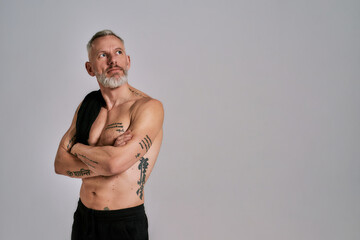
{"x": 149, "y": 139}
{"x": 89, "y": 164}
{"x": 119, "y": 127}
{"x": 87, "y": 160}
{"x": 146, "y": 142}
{"x": 145, "y": 145}
{"x": 70, "y": 144}
{"x": 143, "y": 165}
{"x": 80, "y": 173}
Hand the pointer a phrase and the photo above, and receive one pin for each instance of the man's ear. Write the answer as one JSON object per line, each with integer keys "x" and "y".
{"x": 128, "y": 62}
{"x": 89, "y": 69}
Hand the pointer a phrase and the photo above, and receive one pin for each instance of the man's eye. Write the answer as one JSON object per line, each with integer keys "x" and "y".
{"x": 102, "y": 55}
{"x": 119, "y": 52}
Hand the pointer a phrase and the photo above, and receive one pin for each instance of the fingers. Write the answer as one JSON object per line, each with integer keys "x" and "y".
{"x": 123, "y": 139}
{"x": 121, "y": 142}
{"x": 127, "y": 132}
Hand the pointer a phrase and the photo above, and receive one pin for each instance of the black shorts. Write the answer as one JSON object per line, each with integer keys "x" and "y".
{"x": 129, "y": 223}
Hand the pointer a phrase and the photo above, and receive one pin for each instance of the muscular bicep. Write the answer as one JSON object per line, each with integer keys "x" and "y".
{"x": 68, "y": 139}
{"x": 145, "y": 127}
{"x": 65, "y": 162}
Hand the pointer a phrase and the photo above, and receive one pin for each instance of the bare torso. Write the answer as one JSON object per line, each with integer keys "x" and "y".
{"x": 126, "y": 189}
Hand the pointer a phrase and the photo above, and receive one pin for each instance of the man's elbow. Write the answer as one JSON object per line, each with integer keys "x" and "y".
{"x": 114, "y": 167}
{"x": 59, "y": 162}
{"x": 57, "y": 166}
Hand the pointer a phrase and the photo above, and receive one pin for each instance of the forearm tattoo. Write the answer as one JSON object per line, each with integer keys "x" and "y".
{"x": 143, "y": 165}
{"x": 80, "y": 173}
{"x": 87, "y": 160}
{"x": 146, "y": 143}
{"x": 119, "y": 127}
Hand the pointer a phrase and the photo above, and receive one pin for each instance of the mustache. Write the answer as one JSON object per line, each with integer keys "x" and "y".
{"x": 115, "y": 67}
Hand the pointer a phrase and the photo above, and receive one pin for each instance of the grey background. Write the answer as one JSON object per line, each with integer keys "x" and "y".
{"x": 262, "y": 114}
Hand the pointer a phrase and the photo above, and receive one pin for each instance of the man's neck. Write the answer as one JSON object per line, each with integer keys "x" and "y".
{"x": 115, "y": 96}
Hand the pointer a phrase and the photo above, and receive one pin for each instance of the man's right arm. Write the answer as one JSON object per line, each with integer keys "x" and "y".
{"x": 66, "y": 163}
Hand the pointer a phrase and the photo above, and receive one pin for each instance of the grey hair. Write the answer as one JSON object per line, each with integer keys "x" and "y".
{"x": 99, "y": 34}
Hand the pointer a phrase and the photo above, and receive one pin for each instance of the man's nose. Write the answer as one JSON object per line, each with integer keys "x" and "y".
{"x": 112, "y": 60}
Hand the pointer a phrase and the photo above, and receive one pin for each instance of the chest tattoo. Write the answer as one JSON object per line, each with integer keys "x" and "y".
{"x": 118, "y": 127}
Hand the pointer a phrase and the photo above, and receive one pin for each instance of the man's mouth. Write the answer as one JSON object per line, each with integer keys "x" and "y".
{"x": 114, "y": 69}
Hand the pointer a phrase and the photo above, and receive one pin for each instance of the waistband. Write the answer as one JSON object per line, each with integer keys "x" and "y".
{"x": 110, "y": 214}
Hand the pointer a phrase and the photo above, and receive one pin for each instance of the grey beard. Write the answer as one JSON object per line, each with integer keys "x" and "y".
{"x": 112, "y": 82}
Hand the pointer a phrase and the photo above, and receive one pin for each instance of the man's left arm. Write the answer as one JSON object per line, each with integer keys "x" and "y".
{"x": 109, "y": 160}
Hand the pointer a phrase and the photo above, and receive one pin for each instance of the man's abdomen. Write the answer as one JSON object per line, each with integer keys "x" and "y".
{"x": 123, "y": 190}
{"x": 112, "y": 193}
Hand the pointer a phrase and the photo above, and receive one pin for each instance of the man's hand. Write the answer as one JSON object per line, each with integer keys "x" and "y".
{"x": 123, "y": 139}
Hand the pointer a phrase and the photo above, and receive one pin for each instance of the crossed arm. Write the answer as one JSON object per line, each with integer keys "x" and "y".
{"x": 82, "y": 161}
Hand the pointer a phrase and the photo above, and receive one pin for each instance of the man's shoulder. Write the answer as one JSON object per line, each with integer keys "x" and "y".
{"x": 143, "y": 100}
{"x": 145, "y": 104}
{"x": 137, "y": 93}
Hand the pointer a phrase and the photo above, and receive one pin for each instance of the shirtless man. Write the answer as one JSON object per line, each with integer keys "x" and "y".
{"x": 122, "y": 146}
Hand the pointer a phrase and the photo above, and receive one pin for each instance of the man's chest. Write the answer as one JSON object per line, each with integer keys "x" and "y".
{"x": 109, "y": 125}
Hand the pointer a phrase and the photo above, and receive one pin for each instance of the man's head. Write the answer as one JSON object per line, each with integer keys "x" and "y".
{"x": 107, "y": 59}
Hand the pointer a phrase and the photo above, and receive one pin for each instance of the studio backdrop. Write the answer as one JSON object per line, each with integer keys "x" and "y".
{"x": 261, "y": 98}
